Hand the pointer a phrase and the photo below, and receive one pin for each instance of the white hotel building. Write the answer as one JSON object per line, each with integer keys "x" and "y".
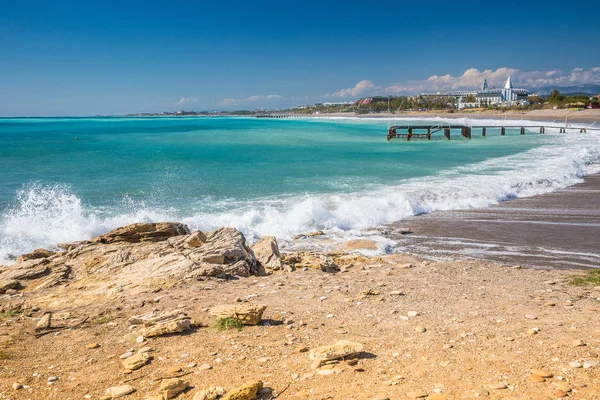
{"x": 508, "y": 96}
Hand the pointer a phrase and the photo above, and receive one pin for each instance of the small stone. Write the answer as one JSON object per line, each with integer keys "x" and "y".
{"x": 542, "y": 372}
{"x": 140, "y": 339}
{"x": 17, "y": 386}
{"x": 533, "y": 331}
{"x": 575, "y": 364}
{"x": 212, "y": 393}
{"x": 536, "y": 378}
{"x": 498, "y": 386}
{"x": 480, "y": 393}
{"x": 119, "y": 391}
{"x": 247, "y": 391}
{"x": 420, "y": 329}
{"x": 417, "y": 394}
{"x": 564, "y": 386}
{"x": 136, "y": 361}
{"x": 590, "y": 364}
{"x": 550, "y": 304}
{"x": 325, "y": 372}
{"x": 302, "y": 349}
{"x": 174, "y": 370}
{"x": 263, "y": 360}
{"x": 330, "y": 315}
{"x": 559, "y": 394}
{"x": 45, "y": 322}
{"x": 170, "y": 388}
{"x": 412, "y": 313}
{"x": 126, "y": 355}
{"x": 578, "y": 343}
{"x": 52, "y": 379}
{"x": 530, "y": 316}
{"x": 93, "y": 346}
{"x": 145, "y": 349}
{"x": 205, "y": 367}
{"x": 191, "y": 365}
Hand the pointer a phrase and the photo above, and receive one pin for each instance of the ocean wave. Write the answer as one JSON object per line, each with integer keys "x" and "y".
{"x": 43, "y": 215}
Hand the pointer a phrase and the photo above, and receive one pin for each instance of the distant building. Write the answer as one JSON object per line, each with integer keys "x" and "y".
{"x": 508, "y": 96}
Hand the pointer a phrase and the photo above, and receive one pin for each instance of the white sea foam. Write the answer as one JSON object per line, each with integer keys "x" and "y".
{"x": 45, "y": 215}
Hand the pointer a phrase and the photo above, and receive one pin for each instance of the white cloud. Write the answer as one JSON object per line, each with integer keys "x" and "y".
{"x": 362, "y": 88}
{"x": 186, "y": 100}
{"x": 233, "y": 102}
{"x": 473, "y": 78}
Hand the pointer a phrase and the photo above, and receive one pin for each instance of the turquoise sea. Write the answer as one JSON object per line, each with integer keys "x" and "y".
{"x": 66, "y": 179}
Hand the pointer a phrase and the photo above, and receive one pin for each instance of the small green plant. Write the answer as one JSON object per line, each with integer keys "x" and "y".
{"x": 590, "y": 278}
{"x": 226, "y": 324}
{"x": 10, "y": 313}
{"x": 103, "y": 320}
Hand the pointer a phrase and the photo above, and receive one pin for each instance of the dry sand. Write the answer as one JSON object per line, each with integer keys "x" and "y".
{"x": 470, "y": 330}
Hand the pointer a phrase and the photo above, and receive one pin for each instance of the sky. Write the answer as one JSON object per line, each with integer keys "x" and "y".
{"x": 74, "y": 58}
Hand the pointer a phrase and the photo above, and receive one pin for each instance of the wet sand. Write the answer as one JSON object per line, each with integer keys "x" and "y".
{"x": 556, "y": 230}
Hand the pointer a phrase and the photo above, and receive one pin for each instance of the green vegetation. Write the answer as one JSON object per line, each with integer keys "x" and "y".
{"x": 9, "y": 313}
{"x": 103, "y": 320}
{"x": 591, "y": 278}
{"x": 226, "y": 324}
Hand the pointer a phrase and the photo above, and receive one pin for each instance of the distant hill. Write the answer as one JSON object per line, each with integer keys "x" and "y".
{"x": 590, "y": 90}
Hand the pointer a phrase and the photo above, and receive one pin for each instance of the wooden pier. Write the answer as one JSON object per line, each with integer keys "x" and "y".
{"x": 409, "y": 132}
{"x": 278, "y": 116}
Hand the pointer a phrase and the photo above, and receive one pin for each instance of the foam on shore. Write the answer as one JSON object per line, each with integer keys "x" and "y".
{"x": 43, "y": 215}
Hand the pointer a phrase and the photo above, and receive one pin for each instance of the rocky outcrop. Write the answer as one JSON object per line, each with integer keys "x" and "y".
{"x": 266, "y": 251}
{"x": 143, "y": 232}
{"x": 134, "y": 256}
{"x": 248, "y": 314}
{"x": 38, "y": 253}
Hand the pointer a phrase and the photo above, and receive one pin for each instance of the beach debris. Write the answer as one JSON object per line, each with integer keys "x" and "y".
{"x": 248, "y": 314}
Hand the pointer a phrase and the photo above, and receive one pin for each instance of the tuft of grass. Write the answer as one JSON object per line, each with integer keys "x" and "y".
{"x": 590, "y": 278}
{"x": 103, "y": 320}
{"x": 226, "y": 324}
{"x": 10, "y": 313}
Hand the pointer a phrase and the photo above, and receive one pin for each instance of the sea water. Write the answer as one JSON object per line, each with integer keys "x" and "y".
{"x": 68, "y": 179}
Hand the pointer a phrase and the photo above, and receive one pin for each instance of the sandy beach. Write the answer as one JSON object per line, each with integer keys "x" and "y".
{"x": 583, "y": 116}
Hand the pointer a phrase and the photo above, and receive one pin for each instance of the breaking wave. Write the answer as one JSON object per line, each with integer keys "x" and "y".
{"x": 43, "y": 215}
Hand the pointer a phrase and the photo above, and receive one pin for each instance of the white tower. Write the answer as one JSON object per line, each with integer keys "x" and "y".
{"x": 485, "y": 85}
{"x": 509, "y": 84}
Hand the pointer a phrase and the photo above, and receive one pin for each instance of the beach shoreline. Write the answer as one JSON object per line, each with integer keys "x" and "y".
{"x": 584, "y": 116}
{"x": 553, "y": 230}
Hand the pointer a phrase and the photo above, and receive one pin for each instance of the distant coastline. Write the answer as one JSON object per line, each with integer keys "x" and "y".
{"x": 559, "y": 115}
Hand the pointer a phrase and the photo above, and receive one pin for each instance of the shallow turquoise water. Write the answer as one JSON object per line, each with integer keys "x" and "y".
{"x": 80, "y": 177}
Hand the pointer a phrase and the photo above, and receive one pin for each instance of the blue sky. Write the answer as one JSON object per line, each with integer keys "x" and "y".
{"x": 88, "y": 58}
